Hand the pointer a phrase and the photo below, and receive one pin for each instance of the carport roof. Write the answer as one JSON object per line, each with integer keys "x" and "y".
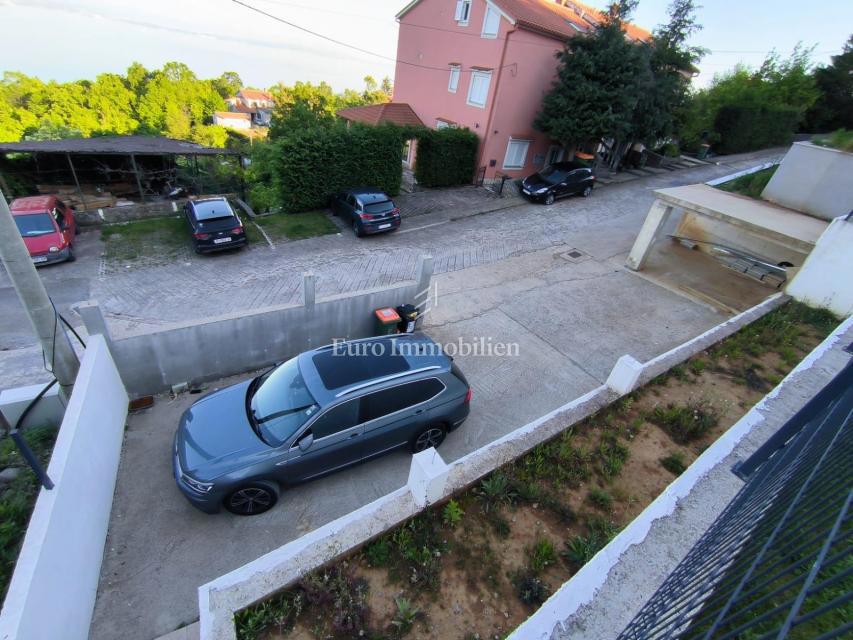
{"x": 119, "y": 145}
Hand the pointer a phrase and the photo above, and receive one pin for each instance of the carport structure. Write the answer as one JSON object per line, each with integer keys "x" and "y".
{"x": 149, "y": 161}
{"x": 755, "y": 226}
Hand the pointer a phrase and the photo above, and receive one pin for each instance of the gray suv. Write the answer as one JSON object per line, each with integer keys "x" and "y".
{"x": 318, "y": 412}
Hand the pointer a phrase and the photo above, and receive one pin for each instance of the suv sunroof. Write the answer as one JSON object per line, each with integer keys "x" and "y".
{"x": 343, "y": 369}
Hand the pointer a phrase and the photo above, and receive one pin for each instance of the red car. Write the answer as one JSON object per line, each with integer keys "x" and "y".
{"x": 47, "y": 227}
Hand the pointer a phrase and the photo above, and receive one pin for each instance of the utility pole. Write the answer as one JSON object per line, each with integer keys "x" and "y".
{"x": 33, "y": 296}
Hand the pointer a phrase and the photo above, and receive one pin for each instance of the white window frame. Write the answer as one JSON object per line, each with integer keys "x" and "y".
{"x": 491, "y": 10}
{"x": 455, "y": 74}
{"x": 463, "y": 12}
{"x": 444, "y": 124}
{"x": 479, "y": 73}
{"x": 509, "y": 144}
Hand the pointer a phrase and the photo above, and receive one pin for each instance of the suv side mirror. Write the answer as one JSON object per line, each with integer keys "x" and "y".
{"x": 306, "y": 441}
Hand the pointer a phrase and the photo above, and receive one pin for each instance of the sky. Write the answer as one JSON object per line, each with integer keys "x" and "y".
{"x": 73, "y": 39}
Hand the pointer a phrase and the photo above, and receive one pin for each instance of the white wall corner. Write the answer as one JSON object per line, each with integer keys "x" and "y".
{"x": 625, "y": 375}
{"x": 427, "y": 477}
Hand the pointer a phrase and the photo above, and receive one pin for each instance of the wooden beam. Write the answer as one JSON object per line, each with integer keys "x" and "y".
{"x": 76, "y": 182}
{"x": 136, "y": 174}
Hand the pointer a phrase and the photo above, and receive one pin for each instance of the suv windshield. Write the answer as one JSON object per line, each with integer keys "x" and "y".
{"x": 280, "y": 403}
{"x": 379, "y": 207}
{"x": 38, "y": 224}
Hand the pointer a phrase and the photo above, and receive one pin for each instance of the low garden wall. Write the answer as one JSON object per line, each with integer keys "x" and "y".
{"x": 190, "y": 353}
{"x": 47, "y": 411}
{"x": 52, "y": 592}
{"x": 430, "y": 481}
{"x": 111, "y": 215}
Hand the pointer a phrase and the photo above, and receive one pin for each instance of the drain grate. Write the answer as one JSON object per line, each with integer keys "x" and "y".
{"x": 575, "y": 255}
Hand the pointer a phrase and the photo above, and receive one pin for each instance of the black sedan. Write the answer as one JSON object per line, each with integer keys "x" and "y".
{"x": 558, "y": 180}
{"x": 367, "y": 209}
{"x": 214, "y": 225}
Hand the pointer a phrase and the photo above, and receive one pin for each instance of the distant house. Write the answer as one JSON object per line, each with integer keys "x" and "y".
{"x": 231, "y": 120}
{"x": 257, "y": 104}
{"x": 486, "y": 65}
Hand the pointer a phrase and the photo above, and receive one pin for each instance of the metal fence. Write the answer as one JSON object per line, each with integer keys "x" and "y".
{"x": 778, "y": 562}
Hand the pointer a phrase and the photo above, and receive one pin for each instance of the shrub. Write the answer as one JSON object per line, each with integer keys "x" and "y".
{"x": 378, "y": 553}
{"x": 744, "y": 128}
{"x": 446, "y": 157}
{"x": 674, "y": 463}
{"x": 307, "y": 166}
{"x": 530, "y": 588}
{"x": 841, "y": 139}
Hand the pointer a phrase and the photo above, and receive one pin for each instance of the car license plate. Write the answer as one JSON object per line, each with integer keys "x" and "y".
{"x": 222, "y": 240}
{"x": 384, "y": 226}
{"x": 40, "y": 259}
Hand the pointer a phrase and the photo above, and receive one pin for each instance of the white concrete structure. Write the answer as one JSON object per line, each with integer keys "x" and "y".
{"x": 231, "y": 120}
{"x": 625, "y": 375}
{"x": 815, "y": 180}
{"x": 826, "y": 278}
{"x": 52, "y": 592}
{"x": 430, "y": 481}
{"x": 47, "y": 411}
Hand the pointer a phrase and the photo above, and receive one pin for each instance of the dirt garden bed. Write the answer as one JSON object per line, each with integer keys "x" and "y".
{"x": 479, "y": 564}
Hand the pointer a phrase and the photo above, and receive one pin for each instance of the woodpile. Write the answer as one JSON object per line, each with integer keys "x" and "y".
{"x": 93, "y": 197}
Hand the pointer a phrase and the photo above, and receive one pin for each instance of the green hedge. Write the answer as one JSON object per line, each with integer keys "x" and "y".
{"x": 309, "y": 165}
{"x": 745, "y": 128}
{"x": 446, "y": 157}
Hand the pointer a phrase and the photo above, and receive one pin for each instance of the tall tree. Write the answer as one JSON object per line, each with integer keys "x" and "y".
{"x": 834, "y": 106}
{"x": 597, "y": 85}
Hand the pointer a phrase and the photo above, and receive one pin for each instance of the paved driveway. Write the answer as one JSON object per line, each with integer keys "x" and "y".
{"x": 548, "y": 279}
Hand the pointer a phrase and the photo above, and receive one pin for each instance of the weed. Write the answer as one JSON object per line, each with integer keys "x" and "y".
{"x": 452, "y": 513}
{"x": 685, "y": 423}
{"x": 530, "y": 589}
{"x": 541, "y": 555}
{"x": 612, "y": 455}
{"x": 789, "y": 356}
{"x": 751, "y": 184}
{"x": 527, "y": 491}
{"x": 378, "y": 553}
{"x": 679, "y": 372}
{"x": 576, "y": 464}
{"x": 405, "y": 616}
{"x": 623, "y": 405}
{"x": 341, "y": 597}
{"x": 580, "y": 549}
{"x": 499, "y": 524}
{"x": 600, "y": 499}
{"x": 697, "y": 366}
{"x": 561, "y": 509}
{"x": 674, "y": 463}
{"x": 495, "y": 492}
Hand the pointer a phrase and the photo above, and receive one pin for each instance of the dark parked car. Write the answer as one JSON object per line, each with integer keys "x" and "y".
{"x": 368, "y": 210}
{"x": 321, "y": 411}
{"x": 558, "y": 180}
{"x": 214, "y": 225}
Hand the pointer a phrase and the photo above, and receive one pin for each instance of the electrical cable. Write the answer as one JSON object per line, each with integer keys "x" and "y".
{"x": 71, "y": 329}
{"x": 32, "y": 403}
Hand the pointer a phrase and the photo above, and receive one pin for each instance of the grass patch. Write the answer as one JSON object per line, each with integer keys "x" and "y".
{"x": 162, "y": 237}
{"x": 19, "y": 496}
{"x": 674, "y": 463}
{"x": 600, "y": 499}
{"x": 541, "y": 555}
{"x": 295, "y": 226}
{"x": 688, "y": 422}
{"x": 751, "y": 185}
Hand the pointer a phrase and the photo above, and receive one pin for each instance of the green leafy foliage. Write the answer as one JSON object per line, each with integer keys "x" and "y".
{"x": 600, "y": 499}
{"x": 746, "y": 127}
{"x": 674, "y": 463}
{"x": 581, "y": 548}
{"x": 452, "y": 513}
{"x": 530, "y": 588}
{"x": 405, "y": 616}
{"x": 841, "y": 139}
{"x": 446, "y": 157}
{"x": 688, "y": 422}
{"x": 834, "y": 106}
{"x": 750, "y": 185}
{"x": 541, "y": 555}
{"x": 305, "y": 167}
{"x": 495, "y": 492}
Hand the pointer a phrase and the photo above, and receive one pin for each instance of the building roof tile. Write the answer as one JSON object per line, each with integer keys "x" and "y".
{"x": 399, "y": 113}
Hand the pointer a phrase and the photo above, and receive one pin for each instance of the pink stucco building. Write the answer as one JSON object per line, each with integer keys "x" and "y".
{"x": 486, "y": 65}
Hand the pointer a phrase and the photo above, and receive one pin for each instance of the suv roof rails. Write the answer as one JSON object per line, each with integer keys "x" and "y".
{"x": 393, "y": 376}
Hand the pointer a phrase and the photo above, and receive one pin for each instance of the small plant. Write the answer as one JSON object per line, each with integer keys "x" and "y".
{"x": 527, "y": 491}
{"x": 558, "y": 507}
{"x": 674, "y": 463}
{"x": 452, "y": 513}
{"x": 623, "y": 405}
{"x": 612, "y": 455}
{"x": 580, "y": 549}
{"x": 499, "y": 524}
{"x": 495, "y": 491}
{"x": 697, "y": 366}
{"x": 541, "y": 555}
{"x": 378, "y": 553}
{"x": 679, "y": 372}
{"x": 405, "y": 616}
{"x": 600, "y": 499}
{"x": 686, "y": 423}
{"x": 530, "y": 588}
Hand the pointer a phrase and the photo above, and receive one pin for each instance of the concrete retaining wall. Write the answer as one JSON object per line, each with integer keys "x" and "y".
{"x": 430, "y": 481}
{"x": 154, "y": 362}
{"x": 47, "y": 412}
{"x": 814, "y": 180}
{"x": 52, "y": 592}
{"x": 826, "y": 278}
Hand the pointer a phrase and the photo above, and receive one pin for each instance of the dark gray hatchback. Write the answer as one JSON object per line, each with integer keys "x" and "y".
{"x": 318, "y": 412}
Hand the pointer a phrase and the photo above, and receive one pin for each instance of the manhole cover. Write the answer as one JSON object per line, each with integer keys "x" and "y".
{"x": 575, "y": 254}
